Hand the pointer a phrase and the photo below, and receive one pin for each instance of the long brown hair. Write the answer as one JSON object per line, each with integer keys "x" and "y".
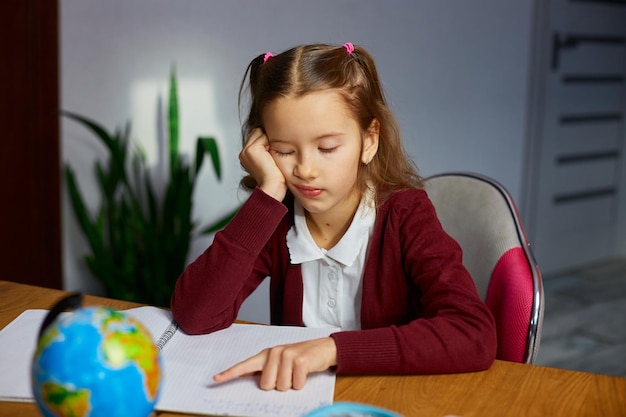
{"x": 308, "y": 68}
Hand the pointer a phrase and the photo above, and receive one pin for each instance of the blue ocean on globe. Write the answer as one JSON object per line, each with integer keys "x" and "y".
{"x": 96, "y": 362}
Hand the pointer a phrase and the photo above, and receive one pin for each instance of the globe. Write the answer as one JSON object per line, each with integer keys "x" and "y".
{"x": 96, "y": 361}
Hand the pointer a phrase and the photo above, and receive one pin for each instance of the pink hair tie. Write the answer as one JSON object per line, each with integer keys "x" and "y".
{"x": 267, "y": 56}
{"x": 349, "y": 47}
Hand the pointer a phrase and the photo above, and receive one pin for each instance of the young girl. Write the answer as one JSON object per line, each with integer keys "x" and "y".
{"x": 340, "y": 223}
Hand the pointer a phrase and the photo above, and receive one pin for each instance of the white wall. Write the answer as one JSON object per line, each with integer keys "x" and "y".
{"x": 455, "y": 74}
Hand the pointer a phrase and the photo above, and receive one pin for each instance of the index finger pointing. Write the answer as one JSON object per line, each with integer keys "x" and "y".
{"x": 244, "y": 368}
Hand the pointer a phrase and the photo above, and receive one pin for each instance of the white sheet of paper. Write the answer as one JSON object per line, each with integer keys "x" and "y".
{"x": 18, "y": 341}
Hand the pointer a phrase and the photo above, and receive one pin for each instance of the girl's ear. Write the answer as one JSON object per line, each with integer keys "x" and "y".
{"x": 370, "y": 142}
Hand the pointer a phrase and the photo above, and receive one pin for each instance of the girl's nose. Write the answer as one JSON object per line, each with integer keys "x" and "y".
{"x": 305, "y": 168}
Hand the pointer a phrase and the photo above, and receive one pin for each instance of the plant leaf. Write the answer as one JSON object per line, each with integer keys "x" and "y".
{"x": 208, "y": 145}
{"x": 173, "y": 121}
{"x": 95, "y": 127}
{"x": 78, "y": 203}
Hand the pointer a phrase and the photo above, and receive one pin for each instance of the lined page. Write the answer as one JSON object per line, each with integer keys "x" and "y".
{"x": 191, "y": 362}
{"x": 18, "y": 341}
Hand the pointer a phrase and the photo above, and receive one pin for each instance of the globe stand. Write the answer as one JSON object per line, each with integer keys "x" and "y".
{"x": 69, "y": 302}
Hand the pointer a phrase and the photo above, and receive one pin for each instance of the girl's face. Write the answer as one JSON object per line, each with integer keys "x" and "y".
{"x": 318, "y": 147}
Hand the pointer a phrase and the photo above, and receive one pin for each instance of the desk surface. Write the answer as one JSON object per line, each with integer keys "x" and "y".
{"x": 505, "y": 389}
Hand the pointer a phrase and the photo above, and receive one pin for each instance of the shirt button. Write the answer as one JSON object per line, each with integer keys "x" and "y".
{"x": 331, "y": 303}
{"x": 332, "y": 276}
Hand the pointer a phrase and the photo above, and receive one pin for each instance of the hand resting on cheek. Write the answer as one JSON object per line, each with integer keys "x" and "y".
{"x": 256, "y": 159}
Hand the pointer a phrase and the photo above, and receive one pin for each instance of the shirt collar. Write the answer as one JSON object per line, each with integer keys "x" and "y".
{"x": 302, "y": 247}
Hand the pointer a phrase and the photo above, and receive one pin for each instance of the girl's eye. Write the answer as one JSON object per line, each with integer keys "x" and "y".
{"x": 281, "y": 153}
{"x": 328, "y": 150}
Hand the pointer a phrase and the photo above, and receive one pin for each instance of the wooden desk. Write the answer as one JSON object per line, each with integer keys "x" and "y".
{"x": 505, "y": 389}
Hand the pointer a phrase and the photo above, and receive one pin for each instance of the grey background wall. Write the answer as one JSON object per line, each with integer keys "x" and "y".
{"x": 456, "y": 74}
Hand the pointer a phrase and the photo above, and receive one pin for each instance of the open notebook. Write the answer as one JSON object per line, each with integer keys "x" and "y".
{"x": 189, "y": 365}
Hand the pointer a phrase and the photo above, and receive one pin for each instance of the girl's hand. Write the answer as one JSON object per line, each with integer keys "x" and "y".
{"x": 258, "y": 162}
{"x": 287, "y": 366}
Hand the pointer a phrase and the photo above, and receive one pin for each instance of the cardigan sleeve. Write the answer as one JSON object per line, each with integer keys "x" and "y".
{"x": 208, "y": 294}
{"x": 421, "y": 313}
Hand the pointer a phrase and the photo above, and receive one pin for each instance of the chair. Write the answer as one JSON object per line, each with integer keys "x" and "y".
{"x": 480, "y": 214}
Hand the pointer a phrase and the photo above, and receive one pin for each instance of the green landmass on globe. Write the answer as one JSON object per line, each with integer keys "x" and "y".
{"x": 65, "y": 402}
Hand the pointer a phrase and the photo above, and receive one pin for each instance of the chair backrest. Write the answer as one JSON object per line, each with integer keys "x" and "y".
{"x": 480, "y": 214}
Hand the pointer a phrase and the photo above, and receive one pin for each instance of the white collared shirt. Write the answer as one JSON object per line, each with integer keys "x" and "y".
{"x": 332, "y": 278}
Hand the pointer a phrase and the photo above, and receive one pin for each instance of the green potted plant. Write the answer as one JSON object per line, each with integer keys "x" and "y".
{"x": 138, "y": 240}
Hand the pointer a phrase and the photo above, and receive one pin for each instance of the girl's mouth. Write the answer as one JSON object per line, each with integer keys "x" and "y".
{"x": 308, "y": 191}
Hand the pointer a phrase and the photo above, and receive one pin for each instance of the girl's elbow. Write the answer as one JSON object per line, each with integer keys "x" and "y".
{"x": 191, "y": 328}
{"x": 196, "y": 323}
{"x": 485, "y": 358}
{"x": 196, "y": 327}
{"x": 486, "y": 348}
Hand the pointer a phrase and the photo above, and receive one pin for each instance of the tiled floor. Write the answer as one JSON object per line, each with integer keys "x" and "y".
{"x": 584, "y": 325}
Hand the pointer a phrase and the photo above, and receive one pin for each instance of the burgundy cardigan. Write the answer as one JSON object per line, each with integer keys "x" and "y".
{"x": 420, "y": 310}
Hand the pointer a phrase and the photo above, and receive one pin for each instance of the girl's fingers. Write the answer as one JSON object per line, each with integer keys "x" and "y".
{"x": 256, "y": 136}
{"x": 248, "y": 367}
{"x": 300, "y": 373}
{"x": 271, "y": 369}
{"x": 284, "y": 369}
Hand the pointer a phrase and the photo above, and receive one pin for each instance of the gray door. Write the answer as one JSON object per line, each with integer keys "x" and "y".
{"x": 575, "y": 179}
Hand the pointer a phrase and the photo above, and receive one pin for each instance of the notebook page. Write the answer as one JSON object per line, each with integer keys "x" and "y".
{"x": 18, "y": 341}
{"x": 191, "y": 361}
